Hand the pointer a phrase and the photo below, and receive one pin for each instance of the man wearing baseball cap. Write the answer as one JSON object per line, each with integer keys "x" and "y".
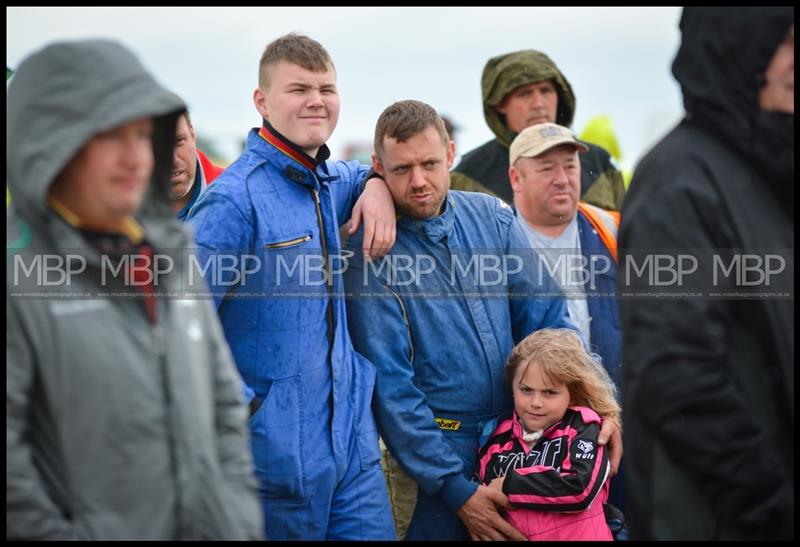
{"x": 576, "y": 239}
{"x": 521, "y": 89}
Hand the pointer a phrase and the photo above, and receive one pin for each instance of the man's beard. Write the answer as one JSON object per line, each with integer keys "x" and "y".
{"x": 422, "y": 213}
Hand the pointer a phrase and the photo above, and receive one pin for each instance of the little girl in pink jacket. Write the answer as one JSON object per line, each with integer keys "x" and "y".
{"x": 545, "y": 456}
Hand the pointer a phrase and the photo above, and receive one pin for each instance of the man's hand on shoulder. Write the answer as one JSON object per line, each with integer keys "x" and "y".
{"x": 611, "y": 436}
{"x": 376, "y": 207}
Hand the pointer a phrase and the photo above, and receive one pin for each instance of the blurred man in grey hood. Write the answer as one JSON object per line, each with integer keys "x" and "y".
{"x": 124, "y": 418}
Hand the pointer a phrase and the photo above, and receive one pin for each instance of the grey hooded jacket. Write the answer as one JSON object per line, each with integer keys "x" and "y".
{"x": 116, "y": 428}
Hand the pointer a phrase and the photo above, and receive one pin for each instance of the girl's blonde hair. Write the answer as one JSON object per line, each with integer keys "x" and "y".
{"x": 563, "y": 359}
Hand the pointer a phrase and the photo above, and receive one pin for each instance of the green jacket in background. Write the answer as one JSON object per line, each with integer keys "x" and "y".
{"x": 485, "y": 169}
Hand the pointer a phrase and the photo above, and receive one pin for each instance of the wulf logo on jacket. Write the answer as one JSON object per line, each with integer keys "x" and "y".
{"x": 583, "y": 450}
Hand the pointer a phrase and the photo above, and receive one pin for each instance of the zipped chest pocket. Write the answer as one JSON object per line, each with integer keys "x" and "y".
{"x": 290, "y": 242}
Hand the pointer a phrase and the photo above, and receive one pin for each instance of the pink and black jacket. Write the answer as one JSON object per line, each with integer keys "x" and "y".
{"x": 558, "y": 486}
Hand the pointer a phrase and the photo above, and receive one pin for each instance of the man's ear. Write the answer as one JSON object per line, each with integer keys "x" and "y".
{"x": 451, "y": 154}
{"x": 377, "y": 165}
{"x": 514, "y": 178}
{"x": 261, "y": 104}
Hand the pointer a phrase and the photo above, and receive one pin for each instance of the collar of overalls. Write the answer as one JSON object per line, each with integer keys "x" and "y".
{"x": 293, "y": 171}
{"x": 434, "y": 228}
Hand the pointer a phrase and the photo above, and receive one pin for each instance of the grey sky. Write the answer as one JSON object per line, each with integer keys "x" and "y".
{"x": 617, "y": 59}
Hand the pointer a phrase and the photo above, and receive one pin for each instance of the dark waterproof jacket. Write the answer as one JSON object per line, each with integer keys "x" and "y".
{"x": 485, "y": 169}
{"x": 708, "y": 376}
{"x": 116, "y": 427}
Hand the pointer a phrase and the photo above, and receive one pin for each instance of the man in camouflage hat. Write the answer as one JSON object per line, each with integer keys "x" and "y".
{"x": 521, "y": 89}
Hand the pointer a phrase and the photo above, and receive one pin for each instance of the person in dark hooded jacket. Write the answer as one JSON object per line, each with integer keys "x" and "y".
{"x": 521, "y": 89}
{"x": 124, "y": 418}
{"x": 708, "y": 379}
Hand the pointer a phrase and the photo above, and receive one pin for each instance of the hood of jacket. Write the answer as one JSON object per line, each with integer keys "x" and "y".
{"x": 504, "y": 73}
{"x": 720, "y": 67}
{"x": 63, "y": 95}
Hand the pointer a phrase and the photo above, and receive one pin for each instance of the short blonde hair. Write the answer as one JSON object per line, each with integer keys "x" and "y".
{"x": 296, "y": 49}
{"x": 562, "y": 359}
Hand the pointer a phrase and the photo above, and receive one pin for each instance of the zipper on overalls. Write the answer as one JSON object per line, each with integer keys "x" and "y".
{"x": 283, "y": 244}
{"x": 326, "y": 261}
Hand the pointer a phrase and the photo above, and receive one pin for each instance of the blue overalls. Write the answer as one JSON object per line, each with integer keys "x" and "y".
{"x": 276, "y": 213}
{"x": 439, "y": 320}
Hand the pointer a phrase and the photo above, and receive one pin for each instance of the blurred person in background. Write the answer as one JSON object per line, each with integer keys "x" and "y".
{"x": 708, "y": 381}
{"x": 124, "y": 417}
{"x": 599, "y": 130}
{"x": 521, "y": 89}
{"x": 192, "y": 171}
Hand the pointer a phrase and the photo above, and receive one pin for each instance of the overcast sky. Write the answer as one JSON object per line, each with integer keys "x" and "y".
{"x": 617, "y": 60}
